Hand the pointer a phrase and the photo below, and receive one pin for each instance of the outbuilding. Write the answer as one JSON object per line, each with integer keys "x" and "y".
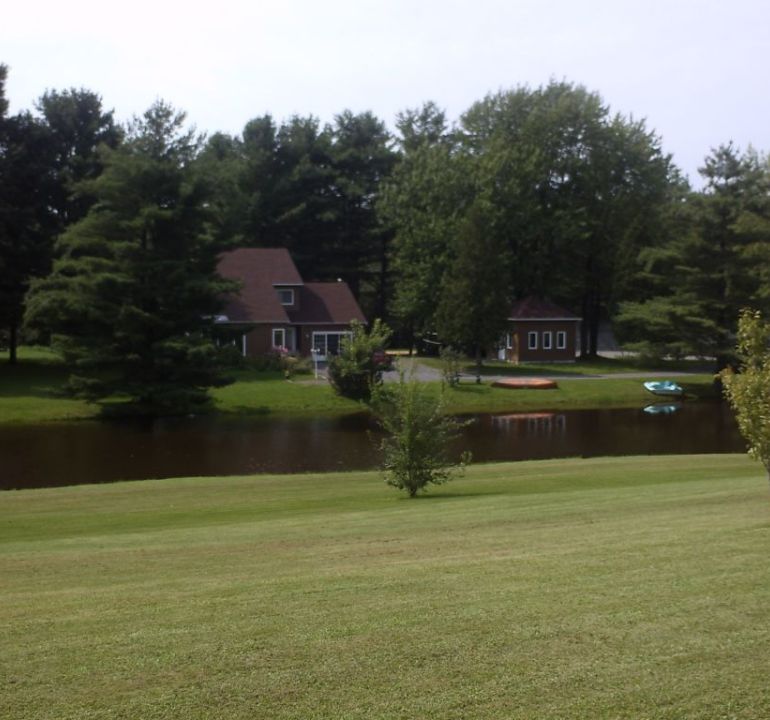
{"x": 539, "y": 331}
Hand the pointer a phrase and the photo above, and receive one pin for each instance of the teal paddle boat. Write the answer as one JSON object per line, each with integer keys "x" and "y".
{"x": 664, "y": 387}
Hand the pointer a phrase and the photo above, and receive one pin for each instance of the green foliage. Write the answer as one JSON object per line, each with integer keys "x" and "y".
{"x": 26, "y": 229}
{"x": 130, "y": 298}
{"x": 425, "y": 201}
{"x": 475, "y": 298}
{"x": 3, "y": 101}
{"x": 419, "y": 432}
{"x": 309, "y": 188}
{"x": 451, "y": 365}
{"x": 748, "y": 390}
{"x": 353, "y": 372}
{"x": 570, "y": 190}
{"x": 712, "y": 261}
{"x": 77, "y": 126}
{"x": 42, "y": 160}
{"x": 502, "y": 594}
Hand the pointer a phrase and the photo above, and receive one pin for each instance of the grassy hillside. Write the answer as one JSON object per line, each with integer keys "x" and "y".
{"x": 634, "y": 588}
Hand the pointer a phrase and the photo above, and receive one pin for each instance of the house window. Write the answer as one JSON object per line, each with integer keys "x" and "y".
{"x": 561, "y": 340}
{"x": 532, "y": 341}
{"x": 286, "y": 296}
{"x": 328, "y": 343}
{"x": 279, "y": 338}
{"x": 547, "y": 340}
{"x": 509, "y": 341}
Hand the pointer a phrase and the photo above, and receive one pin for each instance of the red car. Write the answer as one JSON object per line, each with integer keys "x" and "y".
{"x": 381, "y": 360}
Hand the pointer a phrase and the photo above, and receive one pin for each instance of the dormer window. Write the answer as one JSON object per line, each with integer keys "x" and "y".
{"x": 286, "y": 296}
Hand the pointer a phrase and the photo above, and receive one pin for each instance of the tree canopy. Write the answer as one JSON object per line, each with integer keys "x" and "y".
{"x": 572, "y": 191}
{"x": 133, "y": 290}
{"x": 437, "y": 229}
{"x": 748, "y": 390}
{"x": 711, "y": 264}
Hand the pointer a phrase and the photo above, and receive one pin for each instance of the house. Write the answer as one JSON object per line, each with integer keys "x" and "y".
{"x": 275, "y": 308}
{"x": 539, "y": 331}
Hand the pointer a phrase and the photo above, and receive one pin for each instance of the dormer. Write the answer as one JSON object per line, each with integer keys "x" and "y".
{"x": 285, "y": 296}
{"x": 288, "y": 295}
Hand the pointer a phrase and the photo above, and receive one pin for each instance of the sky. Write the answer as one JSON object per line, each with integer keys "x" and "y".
{"x": 695, "y": 70}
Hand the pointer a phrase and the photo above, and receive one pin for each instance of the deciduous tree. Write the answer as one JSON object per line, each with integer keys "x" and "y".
{"x": 475, "y": 295}
{"x": 748, "y": 390}
{"x": 418, "y": 434}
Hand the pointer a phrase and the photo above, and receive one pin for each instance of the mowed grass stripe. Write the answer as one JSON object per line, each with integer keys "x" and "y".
{"x": 632, "y": 587}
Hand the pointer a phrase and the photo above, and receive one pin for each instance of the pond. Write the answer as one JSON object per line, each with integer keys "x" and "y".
{"x": 89, "y": 452}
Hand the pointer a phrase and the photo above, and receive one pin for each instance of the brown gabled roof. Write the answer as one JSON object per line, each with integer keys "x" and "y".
{"x": 533, "y": 308}
{"x": 322, "y": 303}
{"x": 259, "y": 270}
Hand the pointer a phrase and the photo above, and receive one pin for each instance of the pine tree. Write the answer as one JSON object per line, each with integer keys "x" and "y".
{"x": 131, "y": 296}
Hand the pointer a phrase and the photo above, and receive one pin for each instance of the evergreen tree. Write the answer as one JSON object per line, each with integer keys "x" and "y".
{"x": 362, "y": 158}
{"x": 220, "y": 165}
{"x": 41, "y": 163}
{"x": 133, "y": 290}
{"x": 77, "y": 126}
{"x": 26, "y": 224}
{"x": 713, "y": 264}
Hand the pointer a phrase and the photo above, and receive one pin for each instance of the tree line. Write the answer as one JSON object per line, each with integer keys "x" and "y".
{"x": 110, "y": 230}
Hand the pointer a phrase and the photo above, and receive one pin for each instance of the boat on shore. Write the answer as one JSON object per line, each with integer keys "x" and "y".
{"x": 666, "y": 388}
{"x": 526, "y": 384}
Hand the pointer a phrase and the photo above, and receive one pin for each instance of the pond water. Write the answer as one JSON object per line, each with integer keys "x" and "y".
{"x": 90, "y": 452}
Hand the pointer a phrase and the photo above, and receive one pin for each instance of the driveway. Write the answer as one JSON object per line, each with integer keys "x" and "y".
{"x": 412, "y": 367}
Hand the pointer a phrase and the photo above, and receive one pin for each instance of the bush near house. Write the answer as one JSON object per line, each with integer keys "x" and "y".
{"x": 354, "y": 372}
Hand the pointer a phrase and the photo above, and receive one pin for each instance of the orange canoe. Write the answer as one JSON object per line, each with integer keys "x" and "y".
{"x": 526, "y": 384}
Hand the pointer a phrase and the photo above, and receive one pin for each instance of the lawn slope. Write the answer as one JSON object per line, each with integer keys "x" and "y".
{"x": 634, "y": 587}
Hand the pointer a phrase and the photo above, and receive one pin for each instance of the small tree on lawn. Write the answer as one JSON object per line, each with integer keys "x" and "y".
{"x": 354, "y": 371}
{"x": 748, "y": 390}
{"x": 418, "y": 436}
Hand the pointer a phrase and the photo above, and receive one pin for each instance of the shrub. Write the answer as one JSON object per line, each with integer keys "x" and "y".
{"x": 749, "y": 390}
{"x": 418, "y": 436}
{"x": 353, "y": 373}
{"x": 451, "y": 363}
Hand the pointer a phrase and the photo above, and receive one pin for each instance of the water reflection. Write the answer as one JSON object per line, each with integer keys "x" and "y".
{"x": 663, "y": 408}
{"x": 88, "y": 452}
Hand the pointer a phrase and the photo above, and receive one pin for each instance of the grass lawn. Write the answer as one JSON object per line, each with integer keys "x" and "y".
{"x": 610, "y": 588}
{"x": 268, "y": 392}
{"x": 595, "y": 366}
{"x": 29, "y": 392}
{"x": 570, "y": 394}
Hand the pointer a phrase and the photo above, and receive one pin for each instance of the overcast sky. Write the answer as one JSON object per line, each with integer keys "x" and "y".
{"x": 696, "y": 70}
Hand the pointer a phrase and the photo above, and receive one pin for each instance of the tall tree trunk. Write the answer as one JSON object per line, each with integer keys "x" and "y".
{"x": 381, "y": 301}
{"x": 594, "y": 329}
{"x": 478, "y": 364}
{"x": 584, "y": 327}
{"x": 12, "y": 342}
